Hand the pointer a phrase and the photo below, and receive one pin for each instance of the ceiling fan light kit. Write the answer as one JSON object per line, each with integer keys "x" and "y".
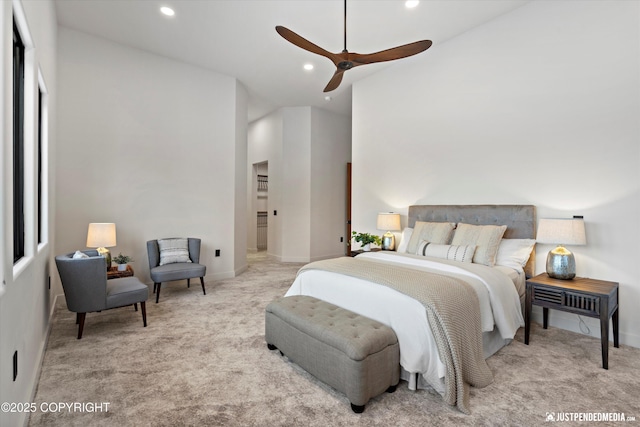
{"x": 346, "y": 60}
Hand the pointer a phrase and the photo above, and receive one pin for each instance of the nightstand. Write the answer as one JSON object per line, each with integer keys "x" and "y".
{"x": 587, "y": 297}
{"x": 360, "y": 251}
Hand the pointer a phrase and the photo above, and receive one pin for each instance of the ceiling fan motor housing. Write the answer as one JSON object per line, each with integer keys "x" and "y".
{"x": 345, "y": 65}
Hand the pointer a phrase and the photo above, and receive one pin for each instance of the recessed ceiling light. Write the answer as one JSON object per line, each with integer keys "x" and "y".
{"x": 327, "y": 98}
{"x": 308, "y": 67}
{"x": 167, "y": 11}
{"x": 410, "y": 4}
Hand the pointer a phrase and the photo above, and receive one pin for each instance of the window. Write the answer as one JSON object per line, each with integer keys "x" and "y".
{"x": 40, "y": 124}
{"x": 18, "y": 145}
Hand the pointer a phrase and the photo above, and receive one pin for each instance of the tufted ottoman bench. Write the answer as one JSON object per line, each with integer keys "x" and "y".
{"x": 353, "y": 354}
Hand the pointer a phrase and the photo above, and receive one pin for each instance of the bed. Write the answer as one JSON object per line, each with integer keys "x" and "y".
{"x": 498, "y": 288}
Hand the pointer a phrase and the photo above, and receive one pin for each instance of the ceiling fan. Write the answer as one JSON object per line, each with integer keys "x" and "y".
{"x": 346, "y": 60}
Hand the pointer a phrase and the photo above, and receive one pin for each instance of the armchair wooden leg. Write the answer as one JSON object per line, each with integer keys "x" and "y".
{"x": 135, "y": 306}
{"x": 158, "y": 292}
{"x": 188, "y": 283}
{"x": 143, "y": 308}
{"x": 77, "y": 318}
{"x": 155, "y": 285}
{"x": 202, "y": 282}
{"x": 80, "y": 318}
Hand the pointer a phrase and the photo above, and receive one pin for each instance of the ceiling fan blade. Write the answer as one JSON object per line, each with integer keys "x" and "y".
{"x": 391, "y": 54}
{"x": 335, "y": 81}
{"x": 301, "y": 42}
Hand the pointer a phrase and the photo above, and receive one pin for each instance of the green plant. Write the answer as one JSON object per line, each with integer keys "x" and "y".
{"x": 122, "y": 259}
{"x": 366, "y": 238}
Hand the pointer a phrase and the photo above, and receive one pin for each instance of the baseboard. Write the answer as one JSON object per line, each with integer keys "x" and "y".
{"x": 43, "y": 347}
{"x": 321, "y": 257}
{"x": 239, "y": 271}
{"x": 310, "y": 259}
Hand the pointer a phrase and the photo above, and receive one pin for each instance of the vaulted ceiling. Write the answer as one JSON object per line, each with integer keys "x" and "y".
{"x": 238, "y": 37}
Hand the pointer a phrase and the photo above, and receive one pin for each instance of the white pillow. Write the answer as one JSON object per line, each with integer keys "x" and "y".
{"x": 173, "y": 250}
{"x": 514, "y": 253}
{"x": 79, "y": 255}
{"x": 462, "y": 253}
{"x": 434, "y": 232}
{"x": 486, "y": 238}
{"x": 404, "y": 240}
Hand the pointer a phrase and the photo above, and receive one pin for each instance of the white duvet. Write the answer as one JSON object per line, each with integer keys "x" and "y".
{"x": 499, "y": 306}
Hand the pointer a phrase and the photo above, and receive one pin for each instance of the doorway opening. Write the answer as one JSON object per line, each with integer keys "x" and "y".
{"x": 261, "y": 174}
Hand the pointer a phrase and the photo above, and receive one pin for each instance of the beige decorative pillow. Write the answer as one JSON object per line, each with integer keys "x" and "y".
{"x": 432, "y": 232}
{"x": 173, "y": 250}
{"x": 486, "y": 238}
{"x": 404, "y": 240}
{"x": 461, "y": 253}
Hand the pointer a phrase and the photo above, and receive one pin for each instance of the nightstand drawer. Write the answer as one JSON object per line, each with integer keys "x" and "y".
{"x": 578, "y": 301}
{"x": 574, "y": 301}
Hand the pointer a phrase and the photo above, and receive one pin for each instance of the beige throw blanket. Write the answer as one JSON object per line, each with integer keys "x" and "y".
{"x": 453, "y": 312}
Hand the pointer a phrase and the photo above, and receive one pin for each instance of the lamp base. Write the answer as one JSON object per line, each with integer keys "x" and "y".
{"x": 561, "y": 264}
{"x": 388, "y": 241}
{"x": 106, "y": 253}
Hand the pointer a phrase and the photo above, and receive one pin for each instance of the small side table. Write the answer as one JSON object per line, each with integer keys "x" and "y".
{"x": 587, "y": 297}
{"x": 360, "y": 251}
{"x": 113, "y": 273}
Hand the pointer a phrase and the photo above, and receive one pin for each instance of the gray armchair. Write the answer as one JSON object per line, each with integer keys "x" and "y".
{"x": 86, "y": 288}
{"x": 175, "y": 271}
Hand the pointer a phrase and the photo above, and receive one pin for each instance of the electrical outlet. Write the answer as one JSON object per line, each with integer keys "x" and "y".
{"x": 217, "y": 252}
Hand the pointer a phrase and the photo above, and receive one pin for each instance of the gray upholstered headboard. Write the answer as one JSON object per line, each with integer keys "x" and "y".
{"x": 519, "y": 219}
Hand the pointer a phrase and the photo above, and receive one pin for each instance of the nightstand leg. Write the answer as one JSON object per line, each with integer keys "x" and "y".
{"x": 616, "y": 343}
{"x": 604, "y": 337}
{"x": 545, "y": 317}
{"x": 527, "y": 314}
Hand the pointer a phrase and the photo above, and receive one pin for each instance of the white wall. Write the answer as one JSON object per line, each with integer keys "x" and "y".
{"x": 151, "y": 144}
{"x": 330, "y": 153}
{"x": 307, "y": 150}
{"x": 25, "y": 300}
{"x": 295, "y": 206}
{"x": 539, "y": 106}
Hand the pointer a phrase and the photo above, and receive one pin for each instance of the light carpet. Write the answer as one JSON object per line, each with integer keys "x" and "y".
{"x": 203, "y": 361}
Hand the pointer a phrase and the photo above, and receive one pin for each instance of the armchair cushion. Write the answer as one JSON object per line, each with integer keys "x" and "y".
{"x": 125, "y": 291}
{"x": 177, "y": 271}
{"x": 173, "y": 251}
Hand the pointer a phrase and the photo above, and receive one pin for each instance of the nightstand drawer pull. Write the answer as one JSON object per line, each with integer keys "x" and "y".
{"x": 548, "y": 295}
{"x": 583, "y": 302}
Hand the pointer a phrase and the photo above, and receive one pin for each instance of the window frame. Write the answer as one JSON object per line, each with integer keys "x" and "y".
{"x": 18, "y": 144}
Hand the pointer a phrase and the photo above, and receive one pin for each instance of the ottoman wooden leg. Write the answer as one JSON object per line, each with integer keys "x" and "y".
{"x": 358, "y": 409}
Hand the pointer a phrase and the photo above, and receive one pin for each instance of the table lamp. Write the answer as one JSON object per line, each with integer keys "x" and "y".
{"x": 102, "y": 235}
{"x": 561, "y": 263}
{"x": 388, "y": 221}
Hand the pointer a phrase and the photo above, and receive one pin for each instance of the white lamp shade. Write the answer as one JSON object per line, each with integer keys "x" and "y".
{"x": 101, "y": 235}
{"x": 388, "y": 221}
{"x": 562, "y": 231}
